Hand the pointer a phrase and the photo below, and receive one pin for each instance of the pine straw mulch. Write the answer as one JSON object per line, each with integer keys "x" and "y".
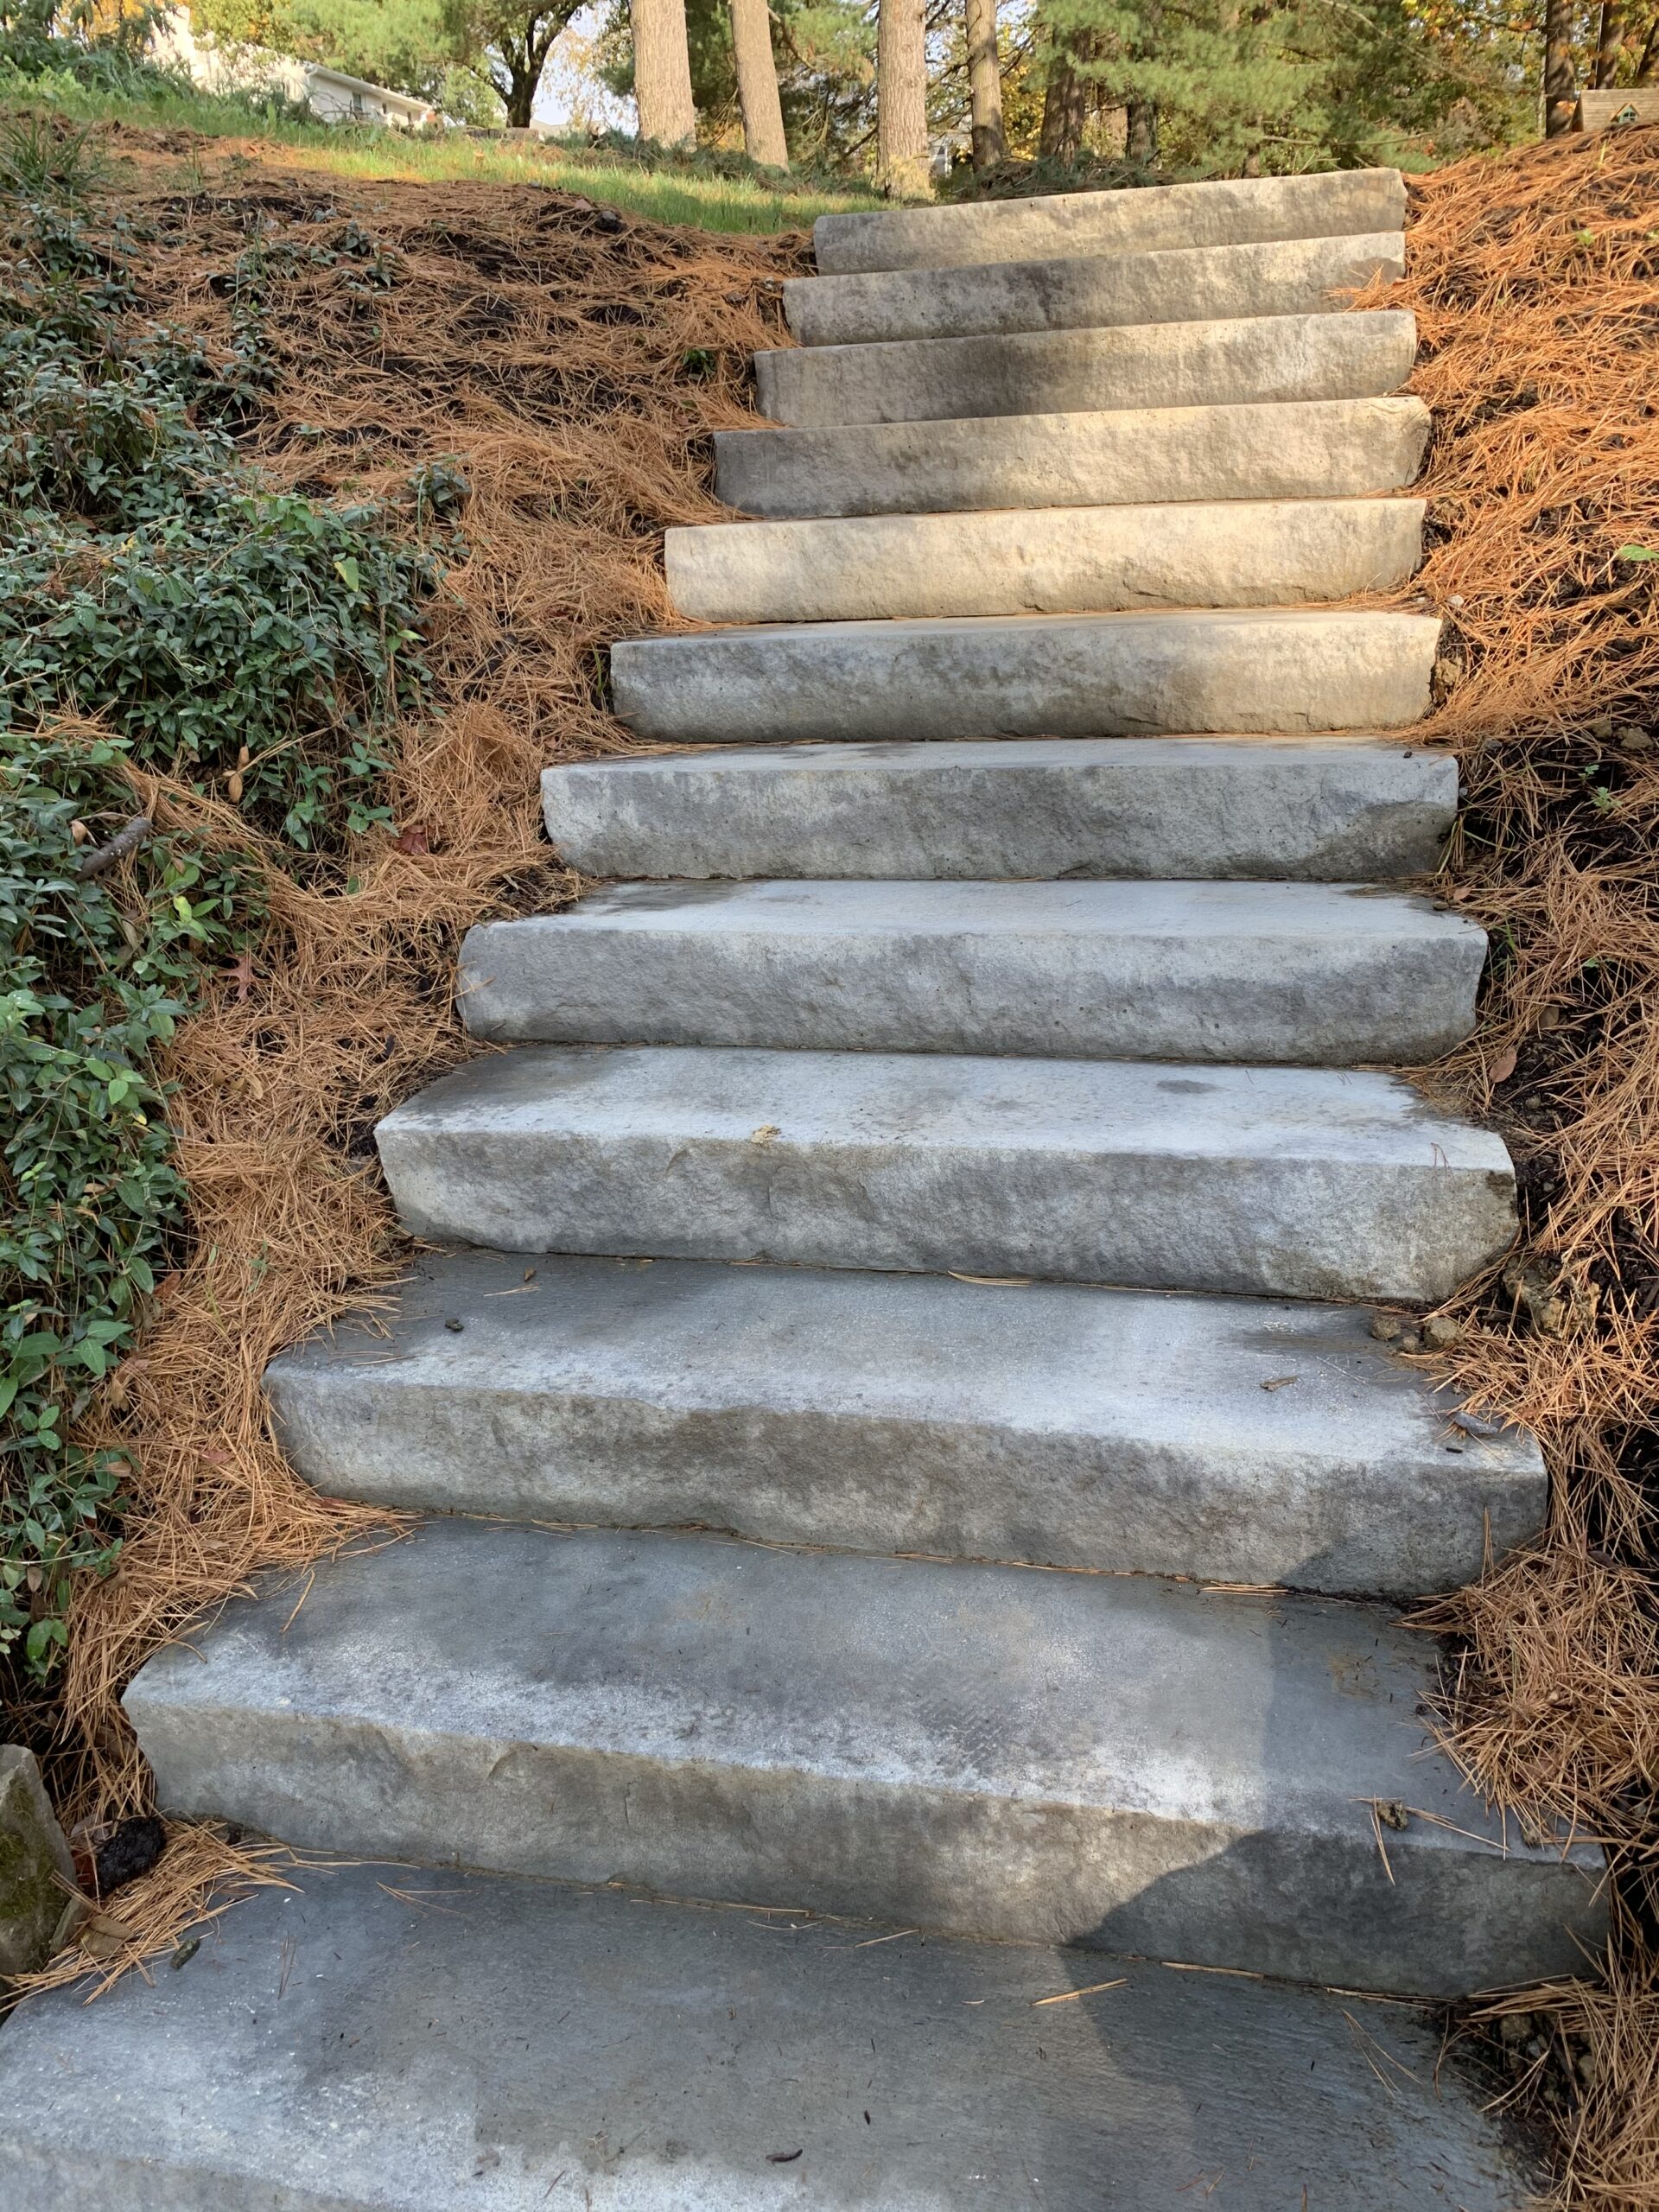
{"x": 575, "y": 370}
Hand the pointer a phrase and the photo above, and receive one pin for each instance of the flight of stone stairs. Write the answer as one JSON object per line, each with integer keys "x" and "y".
{"x": 914, "y": 1466}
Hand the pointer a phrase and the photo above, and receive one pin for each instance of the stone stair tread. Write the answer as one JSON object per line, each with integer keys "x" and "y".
{"x": 1228, "y": 212}
{"x": 1192, "y": 283}
{"x": 1044, "y": 561}
{"x": 1233, "y": 1439}
{"x": 1241, "y": 359}
{"x": 409, "y": 2041}
{"x": 1333, "y": 808}
{"x": 1111, "y": 1761}
{"x": 1303, "y": 449}
{"x": 1032, "y": 675}
{"x": 1300, "y": 1182}
{"x": 1300, "y": 972}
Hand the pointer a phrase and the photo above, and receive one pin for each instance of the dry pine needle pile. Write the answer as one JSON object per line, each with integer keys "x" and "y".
{"x": 574, "y": 363}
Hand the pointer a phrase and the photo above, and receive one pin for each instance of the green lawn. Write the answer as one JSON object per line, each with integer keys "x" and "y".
{"x": 691, "y": 193}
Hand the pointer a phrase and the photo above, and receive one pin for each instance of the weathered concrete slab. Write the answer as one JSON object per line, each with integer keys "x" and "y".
{"x": 1104, "y": 1760}
{"x": 1236, "y": 211}
{"x": 1292, "y": 1182}
{"x": 1187, "y": 284}
{"x": 1046, "y": 1422}
{"x": 1336, "y": 810}
{"x": 1032, "y": 675}
{"x": 1304, "y": 974}
{"x": 411, "y": 2043}
{"x": 1046, "y": 561}
{"x": 1242, "y": 359}
{"x": 35, "y": 1864}
{"x": 1306, "y": 449}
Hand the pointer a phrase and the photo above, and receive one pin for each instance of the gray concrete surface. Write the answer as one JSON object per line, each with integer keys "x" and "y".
{"x": 1336, "y": 810}
{"x": 1241, "y": 359}
{"x": 1032, "y": 675}
{"x": 1187, "y": 284}
{"x": 380, "y": 2040}
{"x": 1104, "y": 1760}
{"x": 1044, "y": 561}
{"x": 1236, "y": 211}
{"x": 1305, "y": 449}
{"x": 1292, "y": 1182}
{"x": 1235, "y": 1439}
{"x": 34, "y": 1864}
{"x": 1303, "y": 974}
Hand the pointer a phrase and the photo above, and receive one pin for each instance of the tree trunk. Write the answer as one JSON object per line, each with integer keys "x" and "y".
{"x": 757, "y": 84}
{"x": 1559, "y": 87}
{"x": 985, "y": 85}
{"x": 1065, "y": 101}
{"x": 1141, "y": 145}
{"x": 1611, "y": 44}
{"x": 1649, "y": 54}
{"x": 662, "y": 73}
{"x": 901, "y": 97}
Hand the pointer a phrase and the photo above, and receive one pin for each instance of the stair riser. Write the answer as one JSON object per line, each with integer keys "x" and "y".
{"x": 1238, "y": 211}
{"x": 1035, "y": 677}
{"x": 1083, "y": 560}
{"x": 1249, "y": 360}
{"x": 1051, "y": 1168}
{"x": 1173, "y": 808}
{"x": 1209, "y": 284}
{"x": 894, "y": 1414}
{"x": 1186, "y": 991}
{"x": 1316, "y": 450}
{"x": 1018, "y": 1756}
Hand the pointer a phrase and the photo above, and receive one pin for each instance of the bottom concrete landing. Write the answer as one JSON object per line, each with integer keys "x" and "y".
{"x": 413, "y": 2042}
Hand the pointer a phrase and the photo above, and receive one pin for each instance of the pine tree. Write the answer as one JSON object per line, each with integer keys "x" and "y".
{"x": 662, "y": 74}
{"x": 757, "y": 84}
{"x": 901, "y": 97}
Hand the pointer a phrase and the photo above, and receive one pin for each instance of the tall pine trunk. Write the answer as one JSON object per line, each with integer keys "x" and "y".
{"x": 1142, "y": 144}
{"x": 757, "y": 84}
{"x": 662, "y": 73}
{"x": 1065, "y": 100}
{"x": 901, "y": 97}
{"x": 1611, "y": 44}
{"x": 985, "y": 85}
{"x": 1559, "y": 87}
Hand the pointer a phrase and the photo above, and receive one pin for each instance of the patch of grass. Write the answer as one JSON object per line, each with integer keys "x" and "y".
{"x": 698, "y": 192}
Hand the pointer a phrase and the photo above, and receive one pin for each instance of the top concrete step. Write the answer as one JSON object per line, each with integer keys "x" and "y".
{"x": 1249, "y": 360}
{"x": 1102, "y": 1760}
{"x": 1201, "y": 284}
{"x": 371, "y": 2039}
{"x": 1238, "y": 211}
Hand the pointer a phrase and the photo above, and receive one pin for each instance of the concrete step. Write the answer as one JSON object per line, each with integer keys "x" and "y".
{"x": 1245, "y": 359}
{"x": 1308, "y": 974}
{"x": 1106, "y": 1761}
{"x": 1291, "y": 1182}
{"x": 416, "y": 2042}
{"x": 1045, "y": 561}
{"x": 1305, "y": 449}
{"x": 1031, "y": 675}
{"x": 1239, "y": 211}
{"x": 1229, "y": 1438}
{"x": 1330, "y": 809}
{"x": 1187, "y": 284}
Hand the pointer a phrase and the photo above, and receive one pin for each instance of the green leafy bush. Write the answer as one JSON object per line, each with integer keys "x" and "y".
{"x": 247, "y": 641}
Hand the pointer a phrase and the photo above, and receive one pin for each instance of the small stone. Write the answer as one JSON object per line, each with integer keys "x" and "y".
{"x": 1441, "y": 1331}
{"x": 1602, "y": 727}
{"x": 1408, "y": 1340}
{"x": 1387, "y": 1328}
{"x": 454, "y": 1324}
{"x": 131, "y": 1850}
{"x": 37, "y": 1868}
{"x": 1588, "y": 2071}
{"x": 1515, "y": 2027}
{"x": 1633, "y": 738}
